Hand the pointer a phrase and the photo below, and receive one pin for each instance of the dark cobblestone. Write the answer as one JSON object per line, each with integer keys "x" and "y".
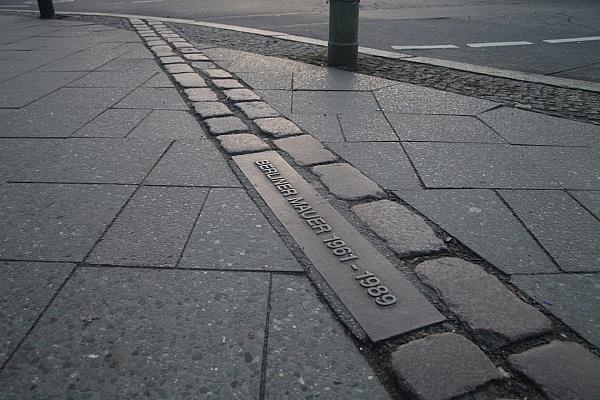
{"x": 570, "y": 103}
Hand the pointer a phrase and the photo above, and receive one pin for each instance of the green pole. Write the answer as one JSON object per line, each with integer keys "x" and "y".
{"x": 46, "y": 9}
{"x": 342, "y": 48}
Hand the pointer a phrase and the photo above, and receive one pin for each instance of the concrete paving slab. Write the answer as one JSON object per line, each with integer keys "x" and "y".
{"x": 479, "y": 220}
{"x": 231, "y": 233}
{"x": 411, "y": 99}
{"x": 495, "y": 314}
{"x": 267, "y": 80}
{"x": 590, "y": 200}
{"x": 573, "y": 298}
{"x": 561, "y": 370}
{"x": 27, "y": 287}
{"x": 152, "y": 229}
{"x": 336, "y": 79}
{"x": 153, "y": 98}
{"x": 159, "y": 80}
{"x": 309, "y": 352}
{"x": 181, "y": 334}
{"x": 281, "y": 100}
{"x": 525, "y": 127}
{"x": 442, "y": 128}
{"x": 367, "y": 127}
{"x": 571, "y": 167}
{"x": 16, "y": 154}
{"x": 185, "y": 164}
{"x": 168, "y": 124}
{"x": 95, "y": 161}
{"x": 131, "y": 78}
{"x": 324, "y": 127}
{"x": 385, "y": 163}
{"x": 71, "y": 97}
{"x": 403, "y": 231}
{"x": 86, "y": 60}
{"x": 56, "y": 222}
{"x": 113, "y": 123}
{"x": 44, "y": 121}
{"x": 470, "y": 165}
{"x": 563, "y": 227}
{"x": 323, "y": 102}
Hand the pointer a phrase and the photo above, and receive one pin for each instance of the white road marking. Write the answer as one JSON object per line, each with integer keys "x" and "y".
{"x": 146, "y": 1}
{"x": 571, "y": 40}
{"x": 498, "y": 44}
{"x": 438, "y": 46}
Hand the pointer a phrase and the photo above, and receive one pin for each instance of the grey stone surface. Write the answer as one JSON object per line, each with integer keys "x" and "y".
{"x": 324, "y": 127}
{"x": 95, "y": 161}
{"x": 152, "y": 228}
{"x": 525, "y": 127}
{"x": 309, "y": 353}
{"x": 27, "y": 287}
{"x": 189, "y": 80}
{"x": 574, "y": 298}
{"x": 562, "y": 370}
{"x": 479, "y": 220}
{"x": 385, "y": 163}
{"x": 196, "y": 57}
{"x": 267, "y": 79}
{"x": 563, "y": 227}
{"x": 440, "y": 367}
{"x": 178, "y": 68}
{"x": 368, "y": 126}
{"x": 113, "y": 123}
{"x": 257, "y": 109}
{"x": 154, "y": 41}
{"x": 346, "y": 182}
{"x": 232, "y": 233}
{"x": 227, "y": 83}
{"x": 163, "y": 124}
{"x": 590, "y": 200}
{"x": 45, "y": 121}
{"x": 122, "y": 332}
{"x": 192, "y": 163}
{"x": 187, "y": 50}
{"x": 480, "y": 300}
{"x": 56, "y": 222}
{"x": 335, "y": 80}
{"x": 470, "y": 165}
{"x": 277, "y": 127}
{"x": 404, "y": 231}
{"x": 211, "y": 109}
{"x": 160, "y": 80}
{"x": 241, "y": 95}
{"x": 16, "y": 154}
{"x": 305, "y": 150}
{"x": 80, "y": 98}
{"x": 217, "y": 73}
{"x": 571, "y": 167}
{"x": 241, "y": 143}
{"x": 281, "y": 100}
{"x": 334, "y": 102}
{"x": 442, "y": 128}
{"x": 222, "y": 125}
{"x": 180, "y": 45}
{"x": 153, "y": 98}
{"x": 411, "y": 99}
{"x": 201, "y": 94}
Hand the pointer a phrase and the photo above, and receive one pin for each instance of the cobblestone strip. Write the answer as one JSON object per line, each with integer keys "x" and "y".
{"x": 433, "y": 367}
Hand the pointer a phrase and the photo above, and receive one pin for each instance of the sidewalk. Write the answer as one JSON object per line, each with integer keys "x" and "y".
{"x": 141, "y": 257}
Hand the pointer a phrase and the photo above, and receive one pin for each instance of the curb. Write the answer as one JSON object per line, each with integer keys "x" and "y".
{"x": 472, "y": 68}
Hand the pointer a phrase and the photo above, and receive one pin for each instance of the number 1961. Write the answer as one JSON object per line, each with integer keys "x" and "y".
{"x": 375, "y": 289}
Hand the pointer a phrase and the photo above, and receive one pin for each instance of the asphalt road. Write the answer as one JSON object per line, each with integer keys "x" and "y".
{"x": 472, "y": 28}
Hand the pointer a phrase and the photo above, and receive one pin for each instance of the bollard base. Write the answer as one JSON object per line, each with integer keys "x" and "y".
{"x": 341, "y": 55}
{"x": 46, "y": 8}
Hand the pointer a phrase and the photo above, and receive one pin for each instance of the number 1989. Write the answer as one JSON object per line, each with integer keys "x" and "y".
{"x": 375, "y": 289}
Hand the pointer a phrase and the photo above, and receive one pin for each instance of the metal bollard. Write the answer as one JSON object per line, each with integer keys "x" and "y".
{"x": 342, "y": 48}
{"x": 46, "y": 9}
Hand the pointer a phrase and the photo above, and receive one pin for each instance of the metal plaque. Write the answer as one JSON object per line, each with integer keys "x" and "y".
{"x": 378, "y": 296}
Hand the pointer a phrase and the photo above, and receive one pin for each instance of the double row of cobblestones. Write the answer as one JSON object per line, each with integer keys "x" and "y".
{"x": 434, "y": 367}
